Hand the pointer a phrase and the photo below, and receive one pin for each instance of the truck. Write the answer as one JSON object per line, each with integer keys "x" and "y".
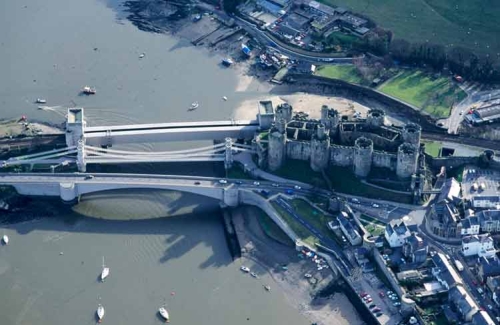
{"x": 459, "y": 265}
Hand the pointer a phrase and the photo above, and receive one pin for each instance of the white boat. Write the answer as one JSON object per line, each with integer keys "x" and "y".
{"x": 253, "y": 274}
{"x": 100, "y": 312}
{"x": 244, "y": 269}
{"x": 164, "y": 313}
{"x": 5, "y": 239}
{"x": 268, "y": 288}
{"x": 88, "y": 90}
{"x": 41, "y": 101}
{"x": 224, "y": 97}
{"x": 194, "y": 105}
{"x": 142, "y": 55}
{"x": 105, "y": 270}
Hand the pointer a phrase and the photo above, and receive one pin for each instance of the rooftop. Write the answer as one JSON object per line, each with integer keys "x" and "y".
{"x": 450, "y": 190}
{"x": 447, "y": 271}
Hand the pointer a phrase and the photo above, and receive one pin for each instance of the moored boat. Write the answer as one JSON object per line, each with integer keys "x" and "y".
{"x": 227, "y": 62}
{"x": 253, "y": 274}
{"x": 194, "y": 105}
{"x": 268, "y": 288}
{"x": 5, "y": 239}
{"x": 41, "y": 101}
{"x": 100, "y": 313}
{"x": 105, "y": 271}
{"x": 224, "y": 97}
{"x": 244, "y": 269}
{"x": 164, "y": 313}
{"x": 88, "y": 90}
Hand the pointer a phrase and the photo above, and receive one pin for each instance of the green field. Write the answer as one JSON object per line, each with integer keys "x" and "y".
{"x": 432, "y": 148}
{"x": 468, "y": 23}
{"x": 432, "y": 95}
{"x": 315, "y": 217}
{"x": 304, "y": 234}
{"x": 343, "y": 72}
{"x": 271, "y": 229}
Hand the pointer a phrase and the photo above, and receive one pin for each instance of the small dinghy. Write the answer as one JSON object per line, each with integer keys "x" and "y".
{"x": 88, "y": 90}
{"x": 224, "y": 97}
{"x": 194, "y": 105}
{"x": 5, "y": 239}
{"x": 105, "y": 270}
{"x": 100, "y": 312}
{"x": 41, "y": 101}
{"x": 164, "y": 313}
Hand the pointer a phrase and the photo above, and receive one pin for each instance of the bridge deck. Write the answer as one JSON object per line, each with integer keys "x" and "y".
{"x": 169, "y": 126}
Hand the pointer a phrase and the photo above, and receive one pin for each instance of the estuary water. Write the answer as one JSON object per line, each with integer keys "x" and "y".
{"x": 49, "y": 271}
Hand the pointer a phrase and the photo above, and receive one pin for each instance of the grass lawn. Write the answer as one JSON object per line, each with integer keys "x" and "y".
{"x": 304, "y": 234}
{"x": 432, "y": 148}
{"x": 271, "y": 229}
{"x": 367, "y": 219}
{"x": 374, "y": 230}
{"x": 468, "y": 23}
{"x": 343, "y": 72}
{"x": 432, "y": 95}
{"x": 315, "y": 217}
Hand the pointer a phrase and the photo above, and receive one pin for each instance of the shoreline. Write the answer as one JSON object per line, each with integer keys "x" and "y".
{"x": 268, "y": 256}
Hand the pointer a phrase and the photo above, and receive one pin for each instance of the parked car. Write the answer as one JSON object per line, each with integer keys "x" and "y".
{"x": 381, "y": 294}
{"x": 222, "y": 181}
{"x": 275, "y": 185}
{"x": 197, "y": 183}
{"x": 369, "y": 300}
{"x": 378, "y": 314}
{"x": 397, "y": 303}
{"x": 376, "y": 310}
{"x": 363, "y": 294}
{"x": 239, "y": 182}
{"x": 297, "y": 187}
{"x": 366, "y": 297}
{"x": 375, "y": 205}
{"x": 490, "y": 307}
{"x": 389, "y": 293}
{"x": 372, "y": 306}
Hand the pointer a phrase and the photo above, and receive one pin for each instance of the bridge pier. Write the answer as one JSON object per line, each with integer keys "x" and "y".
{"x": 80, "y": 158}
{"x": 228, "y": 160}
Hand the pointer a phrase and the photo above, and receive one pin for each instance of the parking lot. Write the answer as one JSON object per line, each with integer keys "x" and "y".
{"x": 480, "y": 182}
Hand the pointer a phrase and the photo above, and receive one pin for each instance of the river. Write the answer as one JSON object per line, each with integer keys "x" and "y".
{"x": 49, "y": 271}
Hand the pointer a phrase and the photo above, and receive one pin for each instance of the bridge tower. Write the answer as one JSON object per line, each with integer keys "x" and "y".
{"x": 228, "y": 160}
{"x": 75, "y": 126}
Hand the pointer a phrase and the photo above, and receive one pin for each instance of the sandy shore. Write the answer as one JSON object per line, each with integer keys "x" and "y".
{"x": 269, "y": 256}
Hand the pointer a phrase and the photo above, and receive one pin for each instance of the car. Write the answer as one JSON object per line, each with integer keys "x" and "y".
{"x": 366, "y": 297}
{"x": 372, "y": 306}
{"x": 490, "y": 307}
{"x": 89, "y": 177}
{"x": 289, "y": 192}
{"x": 297, "y": 187}
{"x": 403, "y": 261}
{"x": 275, "y": 185}
{"x": 238, "y": 182}
{"x": 363, "y": 294}
{"x": 197, "y": 183}
{"x": 344, "y": 239}
{"x": 375, "y": 205}
{"x": 389, "y": 292}
{"x": 461, "y": 112}
{"x": 381, "y": 294}
{"x": 355, "y": 200}
{"x": 222, "y": 181}
{"x": 256, "y": 183}
{"x": 474, "y": 282}
{"x": 396, "y": 303}
{"x": 369, "y": 300}
{"x": 378, "y": 314}
{"x": 376, "y": 310}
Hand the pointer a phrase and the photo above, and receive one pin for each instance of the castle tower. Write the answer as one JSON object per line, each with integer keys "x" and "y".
{"x": 320, "y": 144}
{"x": 330, "y": 118}
{"x": 276, "y": 152}
{"x": 375, "y": 118}
{"x": 284, "y": 111}
{"x": 406, "y": 161}
{"x": 363, "y": 151}
{"x": 411, "y": 134}
{"x": 281, "y": 125}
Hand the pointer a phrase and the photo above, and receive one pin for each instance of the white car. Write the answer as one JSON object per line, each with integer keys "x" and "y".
{"x": 375, "y": 205}
{"x": 256, "y": 183}
{"x": 297, "y": 187}
{"x": 275, "y": 185}
{"x": 222, "y": 181}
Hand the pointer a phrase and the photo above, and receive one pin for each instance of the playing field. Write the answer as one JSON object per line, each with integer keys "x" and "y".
{"x": 469, "y": 23}
{"x": 432, "y": 95}
{"x": 343, "y": 72}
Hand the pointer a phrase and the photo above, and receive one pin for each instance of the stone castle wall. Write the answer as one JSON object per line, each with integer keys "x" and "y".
{"x": 341, "y": 155}
{"x": 384, "y": 160}
{"x": 299, "y": 150}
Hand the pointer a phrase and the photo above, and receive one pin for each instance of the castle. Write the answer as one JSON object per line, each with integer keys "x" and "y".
{"x": 336, "y": 140}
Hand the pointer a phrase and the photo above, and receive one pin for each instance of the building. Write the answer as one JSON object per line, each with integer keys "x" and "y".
{"x": 480, "y": 245}
{"x": 415, "y": 249}
{"x": 444, "y": 272}
{"x": 396, "y": 233}
{"x": 487, "y": 267}
{"x": 486, "y": 114}
{"x": 470, "y": 226}
{"x": 482, "y": 318}
{"x": 489, "y": 220}
{"x": 493, "y": 283}
{"x": 485, "y": 202}
{"x": 348, "y": 229}
{"x": 496, "y": 296}
{"x": 463, "y": 302}
{"x": 443, "y": 217}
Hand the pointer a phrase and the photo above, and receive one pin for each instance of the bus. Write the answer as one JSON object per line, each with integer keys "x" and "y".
{"x": 459, "y": 265}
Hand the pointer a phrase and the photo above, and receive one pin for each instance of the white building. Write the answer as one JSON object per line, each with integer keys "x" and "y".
{"x": 481, "y": 245}
{"x": 395, "y": 233}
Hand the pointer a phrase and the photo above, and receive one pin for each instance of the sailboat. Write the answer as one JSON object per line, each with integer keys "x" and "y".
{"x": 164, "y": 313}
{"x": 105, "y": 271}
{"x": 5, "y": 239}
{"x": 100, "y": 313}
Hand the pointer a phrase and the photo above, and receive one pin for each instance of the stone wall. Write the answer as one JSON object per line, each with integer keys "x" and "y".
{"x": 450, "y": 162}
{"x": 300, "y": 150}
{"x": 341, "y": 156}
{"x": 384, "y": 160}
